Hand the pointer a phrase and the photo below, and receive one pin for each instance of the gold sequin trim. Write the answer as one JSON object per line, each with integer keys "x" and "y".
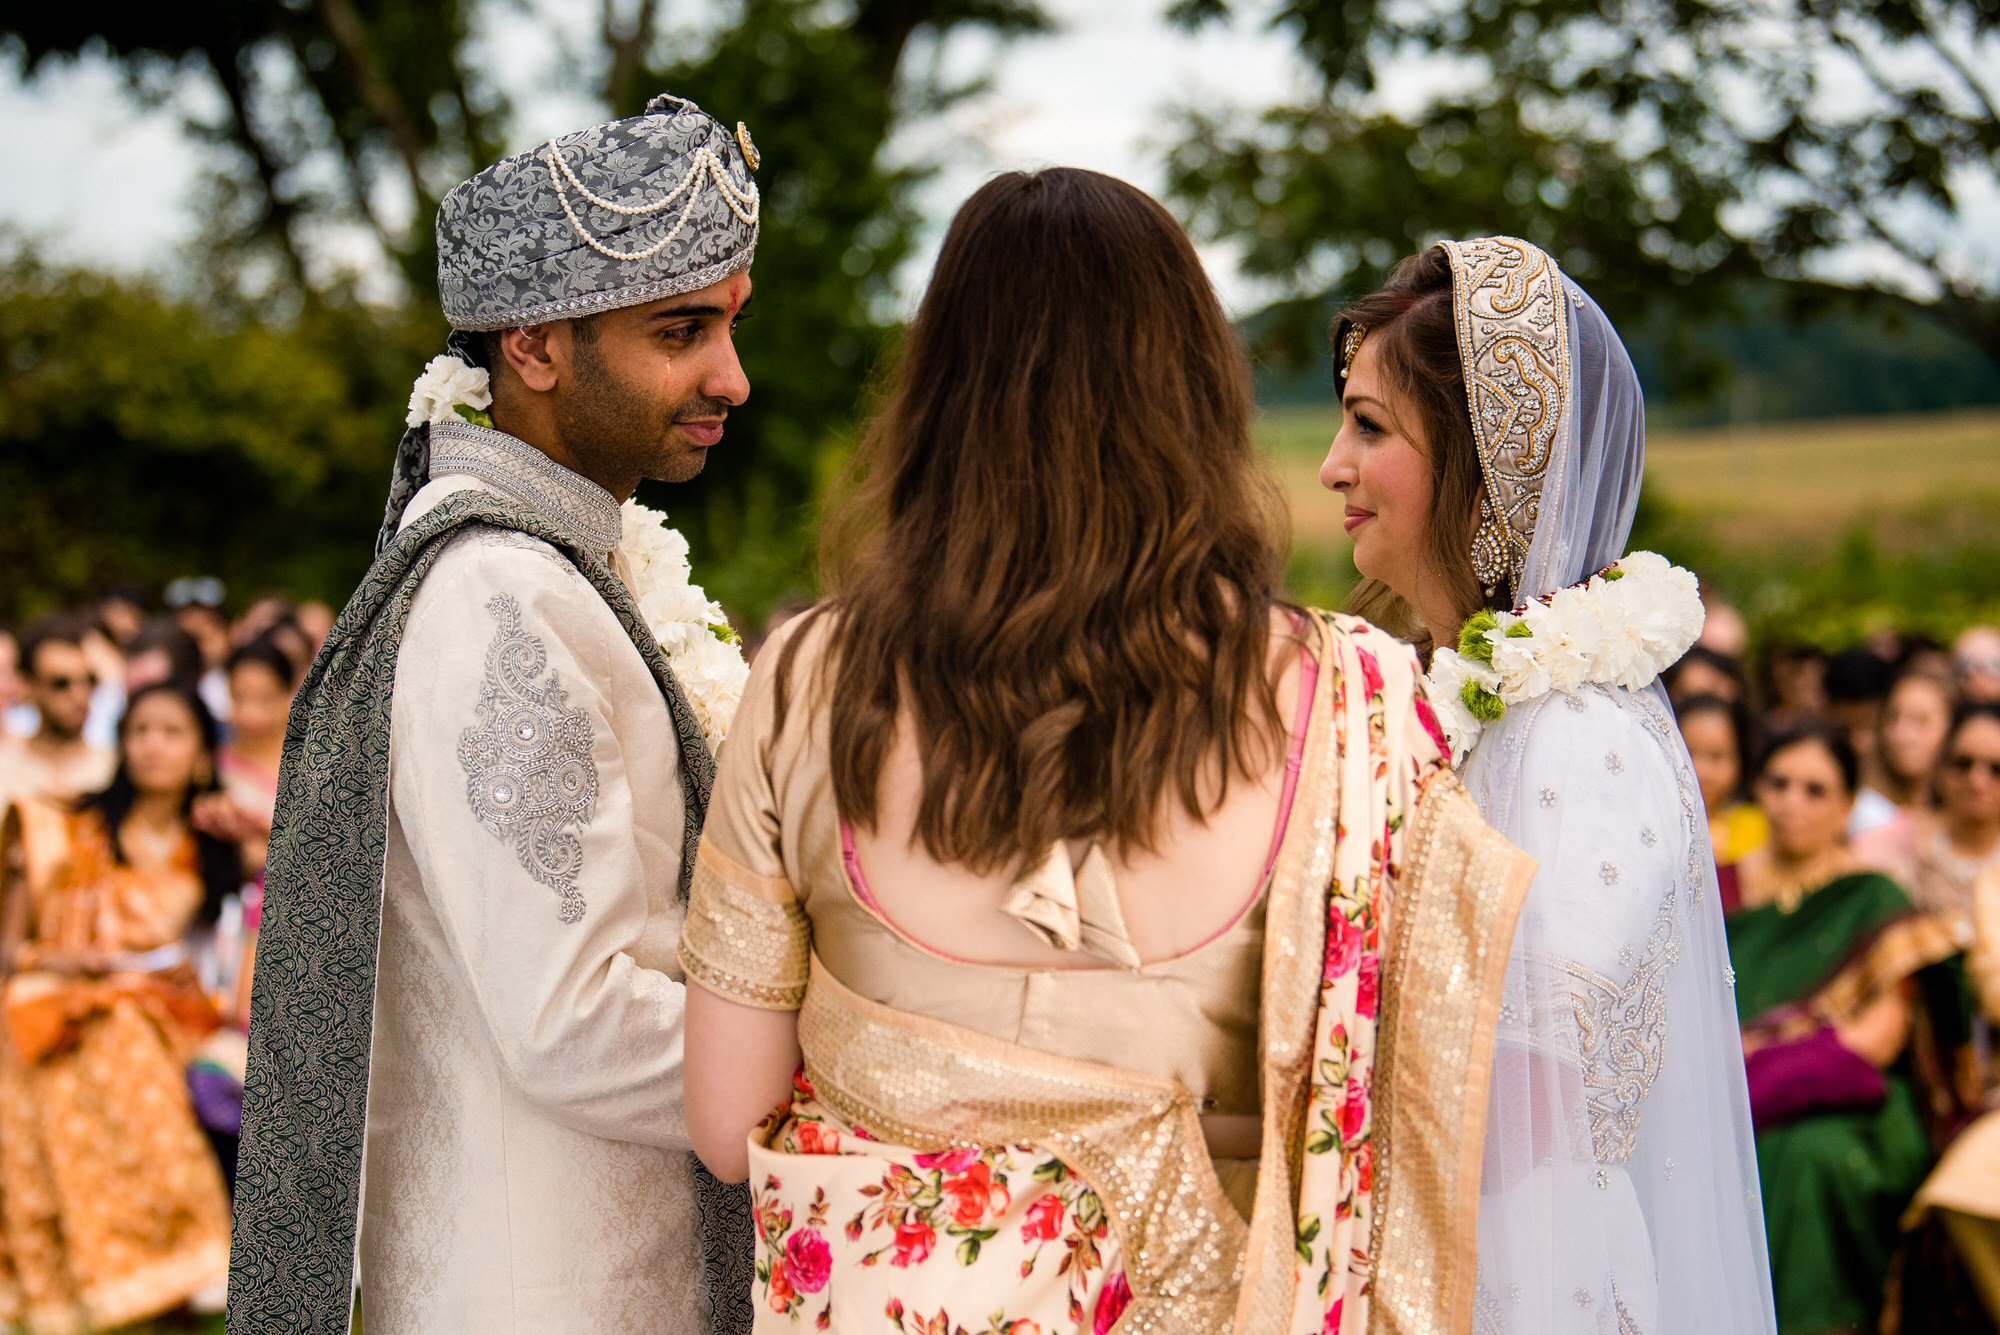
{"x": 743, "y": 945}
{"x": 1136, "y": 1140}
{"x": 1462, "y": 889}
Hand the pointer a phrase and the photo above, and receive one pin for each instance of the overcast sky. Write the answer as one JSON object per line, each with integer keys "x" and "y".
{"x": 97, "y": 178}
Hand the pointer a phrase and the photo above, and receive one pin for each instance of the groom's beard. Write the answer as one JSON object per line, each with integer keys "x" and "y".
{"x": 602, "y": 417}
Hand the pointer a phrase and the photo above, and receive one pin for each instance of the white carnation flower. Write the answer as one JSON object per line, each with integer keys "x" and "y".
{"x": 446, "y": 383}
{"x": 689, "y": 626}
{"x": 1518, "y": 661}
{"x": 1621, "y": 632}
{"x": 1449, "y": 674}
{"x": 713, "y": 674}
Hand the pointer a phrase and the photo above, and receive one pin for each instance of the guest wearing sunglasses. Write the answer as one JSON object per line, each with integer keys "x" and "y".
{"x": 1854, "y": 1018}
{"x": 1940, "y": 853}
{"x": 1955, "y": 1224}
{"x": 56, "y": 761}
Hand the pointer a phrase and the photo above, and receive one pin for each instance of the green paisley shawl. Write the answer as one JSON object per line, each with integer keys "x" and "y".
{"x": 305, "y": 1098}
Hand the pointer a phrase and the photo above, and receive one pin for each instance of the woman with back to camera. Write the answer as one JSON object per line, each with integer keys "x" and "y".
{"x": 1098, "y": 888}
{"x": 1490, "y": 454}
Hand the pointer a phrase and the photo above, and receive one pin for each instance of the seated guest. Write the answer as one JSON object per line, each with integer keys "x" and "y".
{"x": 1717, "y": 731}
{"x": 260, "y": 693}
{"x": 1975, "y": 657}
{"x": 1939, "y": 853}
{"x": 1849, "y": 1030}
{"x": 115, "y": 1205}
{"x": 1857, "y": 687}
{"x": 55, "y": 761}
{"x": 161, "y": 651}
{"x": 1951, "y": 1261}
{"x": 1703, "y": 671}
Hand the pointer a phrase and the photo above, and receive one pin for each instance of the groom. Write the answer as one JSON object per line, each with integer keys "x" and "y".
{"x": 492, "y": 788}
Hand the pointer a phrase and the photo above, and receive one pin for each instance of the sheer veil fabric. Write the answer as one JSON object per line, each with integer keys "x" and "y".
{"x": 1619, "y": 1190}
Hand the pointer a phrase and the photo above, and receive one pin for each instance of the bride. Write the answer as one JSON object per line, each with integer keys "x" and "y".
{"x": 1490, "y": 454}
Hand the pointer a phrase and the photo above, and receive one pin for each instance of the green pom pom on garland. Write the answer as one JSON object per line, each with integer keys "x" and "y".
{"x": 1481, "y": 703}
{"x": 1472, "y": 642}
{"x": 476, "y": 416}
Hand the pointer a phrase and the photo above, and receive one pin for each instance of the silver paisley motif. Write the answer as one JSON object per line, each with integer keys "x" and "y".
{"x": 528, "y": 769}
{"x": 1509, "y": 299}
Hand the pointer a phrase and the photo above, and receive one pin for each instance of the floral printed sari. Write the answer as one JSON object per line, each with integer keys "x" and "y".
{"x": 925, "y": 1178}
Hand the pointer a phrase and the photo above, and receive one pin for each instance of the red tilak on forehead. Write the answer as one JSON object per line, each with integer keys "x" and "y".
{"x": 736, "y": 297}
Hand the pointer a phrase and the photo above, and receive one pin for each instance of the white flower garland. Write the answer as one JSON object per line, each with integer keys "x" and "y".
{"x": 693, "y": 632}
{"x": 449, "y": 388}
{"x": 1621, "y": 627}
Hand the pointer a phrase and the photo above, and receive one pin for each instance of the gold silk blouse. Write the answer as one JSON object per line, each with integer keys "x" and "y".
{"x": 777, "y": 881}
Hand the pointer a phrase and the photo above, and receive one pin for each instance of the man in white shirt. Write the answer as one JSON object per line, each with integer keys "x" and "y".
{"x": 56, "y": 762}
{"x": 487, "y": 816}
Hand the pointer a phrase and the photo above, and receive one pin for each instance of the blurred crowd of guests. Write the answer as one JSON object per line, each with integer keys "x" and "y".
{"x": 139, "y": 749}
{"x": 1853, "y": 802}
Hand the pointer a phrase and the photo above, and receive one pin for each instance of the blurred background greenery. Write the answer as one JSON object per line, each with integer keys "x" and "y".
{"x": 1789, "y": 269}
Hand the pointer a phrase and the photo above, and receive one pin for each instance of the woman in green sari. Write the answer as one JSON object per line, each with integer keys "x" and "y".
{"x": 1852, "y": 1004}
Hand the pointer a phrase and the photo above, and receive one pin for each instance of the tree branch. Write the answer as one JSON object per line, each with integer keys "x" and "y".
{"x": 279, "y": 213}
{"x": 377, "y": 93}
{"x": 628, "y": 53}
{"x": 1958, "y": 66}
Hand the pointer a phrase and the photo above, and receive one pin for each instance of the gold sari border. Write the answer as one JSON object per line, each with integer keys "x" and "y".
{"x": 774, "y": 889}
{"x": 1134, "y": 1139}
{"x": 1456, "y": 905}
{"x": 1903, "y": 946}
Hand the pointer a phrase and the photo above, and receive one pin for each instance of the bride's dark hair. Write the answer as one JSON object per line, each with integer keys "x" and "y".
{"x": 1409, "y": 323}
{"x": 1061, "y": 551}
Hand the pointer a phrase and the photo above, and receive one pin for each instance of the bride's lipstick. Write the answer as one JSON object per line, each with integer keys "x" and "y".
{"x": 1357, "y": 517}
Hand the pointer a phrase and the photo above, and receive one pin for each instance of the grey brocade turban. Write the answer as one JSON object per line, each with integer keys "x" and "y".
{"x": 632, "y": 211}
{"x": 620, "y": 214}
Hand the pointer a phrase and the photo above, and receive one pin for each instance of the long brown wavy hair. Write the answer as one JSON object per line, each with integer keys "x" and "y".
{"x": 1410, "y": 323}
{"x": 1060, "y": 551}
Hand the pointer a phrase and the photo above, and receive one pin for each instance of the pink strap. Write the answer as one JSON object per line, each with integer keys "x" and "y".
{"x": 857, "y": 883}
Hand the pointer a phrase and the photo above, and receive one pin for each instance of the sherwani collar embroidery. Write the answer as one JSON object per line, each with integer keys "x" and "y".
{"x": 581, "y": 508}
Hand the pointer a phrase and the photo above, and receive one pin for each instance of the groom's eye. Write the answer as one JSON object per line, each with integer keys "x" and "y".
{"x": 684, "y": 333}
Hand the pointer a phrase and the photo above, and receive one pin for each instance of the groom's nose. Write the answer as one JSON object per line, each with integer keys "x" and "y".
{"x": 724, "y": 378}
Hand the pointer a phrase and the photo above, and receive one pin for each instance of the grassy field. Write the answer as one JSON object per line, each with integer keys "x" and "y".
{"x": 1783, "y": 514}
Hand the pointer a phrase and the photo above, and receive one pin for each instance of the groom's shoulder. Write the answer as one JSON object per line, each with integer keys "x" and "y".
{"x": 486, "y": 573}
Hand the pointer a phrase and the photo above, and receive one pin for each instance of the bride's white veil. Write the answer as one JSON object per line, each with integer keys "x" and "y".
{"x": 1619, "y": 1192}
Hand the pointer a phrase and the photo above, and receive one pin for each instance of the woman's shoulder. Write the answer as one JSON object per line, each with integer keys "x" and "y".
{"x": 1623, "y": 732}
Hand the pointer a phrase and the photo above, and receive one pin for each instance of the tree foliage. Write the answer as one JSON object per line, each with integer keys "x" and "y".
{"x": 334, "y": 106}
{"x": 1663, "y": 150}
{"x": 144, "y": 437}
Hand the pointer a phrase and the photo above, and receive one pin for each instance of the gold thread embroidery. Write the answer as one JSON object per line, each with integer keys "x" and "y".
{"x": 1513, "y": 337}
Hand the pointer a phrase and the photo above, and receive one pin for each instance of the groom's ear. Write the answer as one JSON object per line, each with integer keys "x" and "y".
{"x": 536, "y": 354}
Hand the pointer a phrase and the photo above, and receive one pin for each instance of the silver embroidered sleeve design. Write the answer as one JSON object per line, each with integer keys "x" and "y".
{"x": 528, "y": 769}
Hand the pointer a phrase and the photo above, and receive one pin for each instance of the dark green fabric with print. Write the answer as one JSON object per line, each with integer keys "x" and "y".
{"x": 1834, "y": 1183}
{"x": 305, "y": 1098}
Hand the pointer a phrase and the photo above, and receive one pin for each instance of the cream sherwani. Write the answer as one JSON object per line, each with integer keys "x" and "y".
{"x": 527, "y": 1167}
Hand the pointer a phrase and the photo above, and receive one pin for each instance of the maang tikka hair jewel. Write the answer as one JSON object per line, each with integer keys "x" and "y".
{"x": 1350, "y": 348}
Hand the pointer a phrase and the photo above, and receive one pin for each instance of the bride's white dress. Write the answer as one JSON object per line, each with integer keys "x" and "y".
{"x": 1619, "y": 1193}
